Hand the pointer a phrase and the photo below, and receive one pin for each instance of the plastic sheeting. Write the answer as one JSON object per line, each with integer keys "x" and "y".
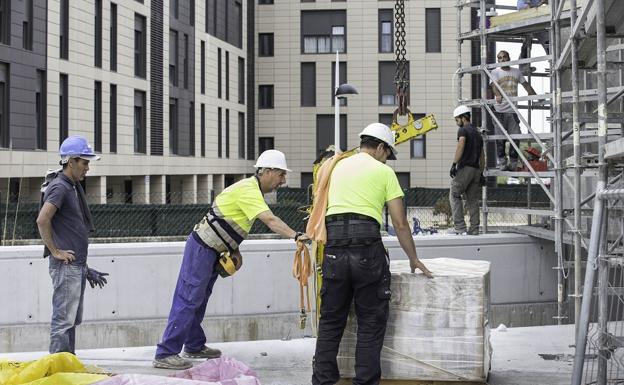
{"x": 219, "y": 371}
{"x": 53, "y": 369}
{"x": 437, "y": 329}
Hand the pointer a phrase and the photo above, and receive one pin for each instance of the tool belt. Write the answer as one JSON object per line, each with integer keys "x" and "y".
{"x": 351, "y": 229}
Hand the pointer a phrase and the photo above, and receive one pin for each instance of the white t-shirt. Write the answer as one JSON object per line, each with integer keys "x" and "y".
{"x": 508, "y": 80}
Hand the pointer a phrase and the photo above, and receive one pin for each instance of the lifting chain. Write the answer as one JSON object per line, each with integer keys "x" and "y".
{"x": 401, "y": 76}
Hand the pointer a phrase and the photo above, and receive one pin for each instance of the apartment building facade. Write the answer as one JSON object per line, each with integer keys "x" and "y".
{"x": 180, "y": 96}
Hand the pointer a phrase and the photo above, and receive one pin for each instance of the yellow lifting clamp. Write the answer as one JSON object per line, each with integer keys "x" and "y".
{"x": 413, "y": 128}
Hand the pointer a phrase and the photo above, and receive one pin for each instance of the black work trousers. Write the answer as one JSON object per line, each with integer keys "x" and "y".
{"x": 360, "y": 272}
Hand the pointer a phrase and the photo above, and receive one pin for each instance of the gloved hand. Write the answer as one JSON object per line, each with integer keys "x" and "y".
{"x": 96, "y": 278}
{"x": 453, "y": 171}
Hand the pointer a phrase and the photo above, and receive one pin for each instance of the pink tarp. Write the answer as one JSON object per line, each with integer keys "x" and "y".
{"x": 220, "y": 371}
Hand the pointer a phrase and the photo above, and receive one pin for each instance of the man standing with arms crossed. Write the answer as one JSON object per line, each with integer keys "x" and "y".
{"x": 466, "y": 173}
{"x": 64, "y": 223}
{"x": 222, "y": 229}
{"x": 355, "y": 265}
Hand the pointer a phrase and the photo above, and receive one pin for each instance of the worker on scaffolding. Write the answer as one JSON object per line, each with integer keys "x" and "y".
{"x": 221, "y": 230}
{"x": 466, "y": 173}
{"x": 356, "y": 267}
{"x": 508, "y": 79}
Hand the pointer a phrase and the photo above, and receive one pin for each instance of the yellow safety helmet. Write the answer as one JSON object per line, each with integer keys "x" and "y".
{"x": 225, "y": 265}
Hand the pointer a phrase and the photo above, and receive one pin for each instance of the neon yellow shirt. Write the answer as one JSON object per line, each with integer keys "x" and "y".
{"x": 361, "y": 184}
{"x": 241, "y": 203}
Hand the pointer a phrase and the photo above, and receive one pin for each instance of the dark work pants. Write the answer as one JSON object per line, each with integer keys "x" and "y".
{"x": 360, "y": 272}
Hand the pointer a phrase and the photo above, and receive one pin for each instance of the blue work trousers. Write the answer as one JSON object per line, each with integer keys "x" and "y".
{"x": 195, "y": 281}
{"x": 69, "y": 286}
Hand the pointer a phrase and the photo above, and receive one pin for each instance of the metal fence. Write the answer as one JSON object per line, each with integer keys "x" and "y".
{"x": 125, "y": 216}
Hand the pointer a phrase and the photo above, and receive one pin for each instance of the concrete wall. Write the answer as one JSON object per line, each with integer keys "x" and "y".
{"x": 259, "y": 302}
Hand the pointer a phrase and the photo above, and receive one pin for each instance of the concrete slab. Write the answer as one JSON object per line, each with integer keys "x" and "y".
{"x": 515, "y": 359}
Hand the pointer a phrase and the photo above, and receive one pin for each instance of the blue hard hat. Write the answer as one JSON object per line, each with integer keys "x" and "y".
{"x": 76, "y": 147}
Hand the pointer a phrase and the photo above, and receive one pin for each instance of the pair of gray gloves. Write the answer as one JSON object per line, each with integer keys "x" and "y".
{"x": 95, "y": 278}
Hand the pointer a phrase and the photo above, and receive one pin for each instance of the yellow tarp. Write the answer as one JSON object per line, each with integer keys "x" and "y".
{"x": 53, "y": 369}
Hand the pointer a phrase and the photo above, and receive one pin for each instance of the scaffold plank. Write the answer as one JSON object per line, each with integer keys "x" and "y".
{"x": 528, "y": 13}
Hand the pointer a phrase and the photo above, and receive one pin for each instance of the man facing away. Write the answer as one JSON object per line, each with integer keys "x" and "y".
{"x": 64, "y": 223}
{"x": 508, "y": 79}
{"x": 355, "y": 265}
{"x": 222, "y": 229}
{"x": 466, "y": 173}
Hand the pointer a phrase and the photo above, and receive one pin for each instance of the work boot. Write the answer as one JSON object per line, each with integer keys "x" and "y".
{"x": 513, "y": 164}
{"x": 172, "y": 362}
{"x": 473, "y": 232}
{"x": 456, "y": 232}
{"x": 206, "y": 352}
{"x": 501, "y": 164}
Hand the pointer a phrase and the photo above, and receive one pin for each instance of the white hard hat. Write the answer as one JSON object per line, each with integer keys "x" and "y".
{"x": 460, "y": 110}
{"x": 272, "y": 159}
{"x": 383, "y": 133}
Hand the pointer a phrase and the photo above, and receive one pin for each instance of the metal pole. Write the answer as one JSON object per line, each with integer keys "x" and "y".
{"x": 581, "y": 337}
{"x": 337, "y": 149}
{"x": 601, "y": 64}
{"x": 603, "y": 306}
{"x": 581, "y": 334}
{"x": 483, "y": 50}
{"x": 577, "y": 171}
{"x": 555, "y": 35}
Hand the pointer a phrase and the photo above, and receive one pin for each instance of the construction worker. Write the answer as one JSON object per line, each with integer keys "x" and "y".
{"x": 508, "y": 79}
{"x": 221, "y": 230}
{"x": 466, "y": 173}
{"x": 356, "y": 264}
{"x": 64, "y": 224}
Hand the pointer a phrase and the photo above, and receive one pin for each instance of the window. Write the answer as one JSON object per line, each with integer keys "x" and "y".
{"x": 140, "y": 132}
{"x": 192, "y": 129}
{"x": 265, "y": 143}
{"x": 342, "y": 78}
{"x": 192, "y": 12}
{"x": 404, "y": 179}
{"x": 5, "y": 21}
{"x": 387, "y": 88}
{"x": 4, "y": 106}
{"x": 173, "y": 58}
{"x": 27, "y": 26}
{"x": 202, "y": 133}
{"x": 174, "y": 8}
{"x": 41, "y": 110}
{"x": 227, "y": 133}
{"x": 227, "y": 75}
{"x": 98, "y": 34}
{"x": 219, "y": 133}
{"x": 63, "y": 107}
{"x": 186, "y": 61}
{"x": 308, "y": 84}
{"x": 173, "y": 125}
{"x": 113, "y": 118}
{"x": 139, "y": 46}
{"x": 306, "y": 180}
{"x": 209, "y": 16}
{"x": 219, "y": 73}
{"x": 265, "y": 44}
{"x": 325, "y": 132}
{"x": 433, "y": 30}
{"x": 203, "y": 68}
{"x": 113, "y": 37}
{"x": 265, "y": 1}
{"x": 63, "y": 32}
{"x": 323, "y": 31}
{"x": 265, "y": 96}
{"x": 385, "y": 31}
{"x": 241, "y": 80}
{"x": 241, "y": 135}
{"x": 97, "y": 116}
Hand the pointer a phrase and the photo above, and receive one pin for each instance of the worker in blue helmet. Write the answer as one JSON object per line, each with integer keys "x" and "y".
{"x": 64, "y": 223}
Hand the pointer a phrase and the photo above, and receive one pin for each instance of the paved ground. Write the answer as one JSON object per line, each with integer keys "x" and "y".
{"x": 515, "y": 358}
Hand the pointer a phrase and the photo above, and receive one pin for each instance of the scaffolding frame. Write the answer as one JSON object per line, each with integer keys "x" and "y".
{"x": 603, "y": 253}
{"x": 562, "y": 57}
